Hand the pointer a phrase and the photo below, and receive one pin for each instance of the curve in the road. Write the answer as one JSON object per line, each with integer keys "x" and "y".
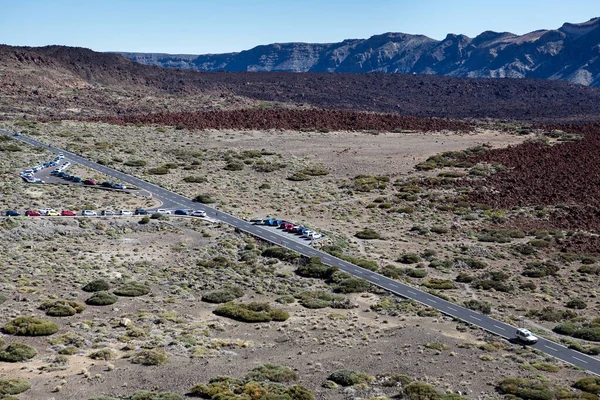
{"x": 171, "y": 199}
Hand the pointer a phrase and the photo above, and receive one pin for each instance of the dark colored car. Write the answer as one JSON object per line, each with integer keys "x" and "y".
{"x": 181, "y": 212}
{"x": 67, "y": 213}
{"x": 76, "y": 179}
{"x": 141, "y": 211}
{"x": 90, "y": 182}
{"x": 32, "y": 213}
{"x": 118, "y": 186}
{"x": 62, "y": 174}
{"x": 12, "y": 213}
{"x": 107, "y": 184}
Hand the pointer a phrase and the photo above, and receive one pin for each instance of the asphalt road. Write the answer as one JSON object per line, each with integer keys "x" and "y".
{"x": 174, "y": 200}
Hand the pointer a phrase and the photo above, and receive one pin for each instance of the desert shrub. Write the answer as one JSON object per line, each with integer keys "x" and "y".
{"x": 13, "y": 386}
{"x": 496, "y": 280}
{"x": 319, "y": 299}
{"x": 578, "y": 304}
{"x": 391, "y": 271}
{"x": 298, "y": 176}
{"x": 421, "y": 391}
{"x": 158, "y": 215}
{"x": 589, "y": 350}
{"x": 428, "y": 312}
{"x": 367, "y": 234}
{"x": 101, "y": 298}
{"x": 250, "y": 312}
{"x": 233, "y": 166}
{"x": 463, "y": 277}
{"x": 339, "y": 276}
{"x": 539, "y": 243}
{"x": 437, "y": 346}
{"x": 352, "y": 285}
{"x": 158, "y": 171}
{"x": 437, "y": 283}
{"x": 500, "y": 236}
{"x": 552, "y": 314}
{"x": 527, "y": 389}
{"x": 590, "y": 384}
{"x": 589, "y": 269}
{"x": 62, "y": 308}
{"x": 313, "y": 171}
{"x": 30, "y": 326}
{"x": 135, "y": 163}
{"x": 540, "y": 269}
{"x": 68, "y": 351}
{"x": 585, "y": 330}
{"x": 280, "y": 253}
{"x": 279, "y": 315}
{"x": 314, "y": 268}
{"x": 409, "y": 258}
{"x": 144, "y": 395}
{"x": 150, "y": 357}
{"x": 347, "y": 377}
{"x": 418, "y": 273}
{"x": 96, "y": 286}
{"x": 478, "y": 305}
{"x": 287, "y": 299}
{"x": 145, "y": 220}
{"x": 547, "y": 367}
{"x": 439, "y": 229}
{"x": 194, "y": 179}
{"x": 132, "y": 289}
{"x": 104, "y": 354}
{"x": 361, "y": 262}
{"x": 223, "y": 295}
{"x": 273, "y": 373}
{"x": 2, "y": 298}
{"x": 17, "y": 352}
{"x": 204, "y": 198}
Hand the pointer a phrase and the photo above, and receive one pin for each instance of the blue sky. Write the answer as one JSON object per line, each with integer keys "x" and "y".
{"x": 217, "y": 26}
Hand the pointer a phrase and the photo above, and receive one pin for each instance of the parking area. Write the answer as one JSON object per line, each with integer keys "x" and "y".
{"x": 296, "y": 235}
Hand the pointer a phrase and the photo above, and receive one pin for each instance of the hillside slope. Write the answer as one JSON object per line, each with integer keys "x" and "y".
{"x": 569, "y": 53}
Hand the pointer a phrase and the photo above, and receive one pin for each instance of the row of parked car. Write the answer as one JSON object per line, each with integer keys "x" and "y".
{"x": 289, "y": 227}
{"x": 50, "y": 212}
{"x": 27, "y": 175}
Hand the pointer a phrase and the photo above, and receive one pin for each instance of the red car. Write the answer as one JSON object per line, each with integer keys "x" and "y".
{"x": 90, "y": 182}
{"x": 67, "y": 213}
{"x": 32, "y": 213}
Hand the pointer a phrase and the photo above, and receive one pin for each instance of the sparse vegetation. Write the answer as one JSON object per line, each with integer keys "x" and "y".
{"x": 132, "y": 289}
{"x": 30, "y": 326}
{"x": 251, "y": 312}
{"x": 17, "y": 352}
{"x": 62, "y": 308}
{"x": 96, "y": 286}
{"x": 223, "y": 295}
{"x": 150, "y": 357}
{"x": 101, "y": 299}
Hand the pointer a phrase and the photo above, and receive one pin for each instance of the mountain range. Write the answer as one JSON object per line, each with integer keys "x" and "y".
{"x": 569, "y": 53}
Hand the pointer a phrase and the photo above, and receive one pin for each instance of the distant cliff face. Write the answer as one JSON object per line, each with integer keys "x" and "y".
{"x": 570, "y": 53}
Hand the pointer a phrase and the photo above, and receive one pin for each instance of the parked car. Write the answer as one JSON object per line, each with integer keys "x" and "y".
{"x": 306, "y": 232}
{"x": 181, "y": 212}
{"x": 55, "y": 172}
{"x": 27, "y": 172}
{"x": 198, "y": 213}
{"x": 141, "y": 211}
{"x": 107, "y": 184}
{"x": 61, "y": 156}
{"x": 32, "y": 213}
{"x": 90, "y": 182}
{"x": 45, "y": 211}
{"x": 88, "y": 213}
{"x": 119, "y": 186}
{"x": 68, "y": 213}
{"x": 12, "y": 213}
{"x": 125, "y": 212}
{"x": 52, "y": 213}
{"x": 76, "y": 179}
{"x": 62, "y": 174}
{"x": 110, "y": 212}
{"x": 163, "y": 211}
{"x": 17, "y": 133}
{"x": 525, "y": 336}
{"x": 315, "y": 235}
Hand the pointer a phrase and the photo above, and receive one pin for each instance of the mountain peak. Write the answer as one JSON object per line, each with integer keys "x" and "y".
{"x": 581, "y": 28}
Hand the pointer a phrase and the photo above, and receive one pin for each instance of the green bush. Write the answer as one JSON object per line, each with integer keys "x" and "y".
{"x": 280, "y": 253}
{"x": 62, "y": 308}
{"x": 437, "y": 283}
{"x": 353, "y": 285}
{"x": 298, "y": 176}
{"x": 204, "y": 198}
{"x": 416, "y": 272}
{"x": 547, "y": 367}
{"x": 150, "y": 357}
{"x": 234, "y": 166}
{"x": 135, "y": 163}
{"x": 578, "y": 304}
{"x": 409, "y": 258}
{"x": 279, "y": 315}
{"x": 96, "y": 286}
{"x": 101, "y": 299}
{"x": 463, "y": 277}
{"x": 314, "y": 268}
{"x": 145, "y": 220}
{"x": 132, "y": 289}
{"x": 273, "y": 373}
{"x": 590, "y": 384}
{"x": 552, "y": 314}
{"x": 368, "y": 234}
{"x": 478, "y": 305}
{"x": 540, "y": 270}
{"x": 526, "y": 389}
{"x": 144, "y": 395}
{"x": 319, "y": 299}
{"x": 391, "y": 271}
{"x": 580, "y": 329}
{"x": 251, "y": 312}
{"x": 223, "y": 295}
{"x": 287, "y": 299}
{"x": 194, "y": 179}
{"x": 2, "y": 298}
{"x": 589, "y": 269}
{"x": 104, "y": 354}
{"x": 313, "y": 171}
{"x": 421, "y": 391}
{"x": 158, "y": 171}
{"x": 17, "y": 352}
{"x": 13, "y": 386}
{"x": 30, "y": 326}
{"x": 347, "y": 377}
{"x": 68, "y": 351}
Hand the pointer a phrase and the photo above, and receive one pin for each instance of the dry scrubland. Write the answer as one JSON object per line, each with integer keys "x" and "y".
{"x": 360, "y": 188}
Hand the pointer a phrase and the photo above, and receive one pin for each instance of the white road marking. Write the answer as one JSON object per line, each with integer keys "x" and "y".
{"x": 374, "y": 277}
{"x": 583, "y": 361}
{"x": 411, "y": 292}
{"x": 551, "y": 348}
{"x": 432, "y": 300}
{"x": 499, "y": 327}
{"x": 393, "y": 285}
{"x": 478, "y": 319}
{"x": 452, "y": 308}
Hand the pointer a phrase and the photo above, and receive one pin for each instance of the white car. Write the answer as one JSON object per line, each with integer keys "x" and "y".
{"x": 163, "y": 211}
{"x": 47, "y": 210}
{"x": 125, "y": 212}
{"x": 198, "y": 213}
{"x": 525, "y": 336}
{"x": 61, "y": 156}
{"x": 315, "y": 235}
{"x": 108, "y": 212}
{"x": 88, "y": 213}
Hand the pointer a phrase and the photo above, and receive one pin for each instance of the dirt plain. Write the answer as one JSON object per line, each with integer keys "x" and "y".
{"x": 53, "y": 258}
